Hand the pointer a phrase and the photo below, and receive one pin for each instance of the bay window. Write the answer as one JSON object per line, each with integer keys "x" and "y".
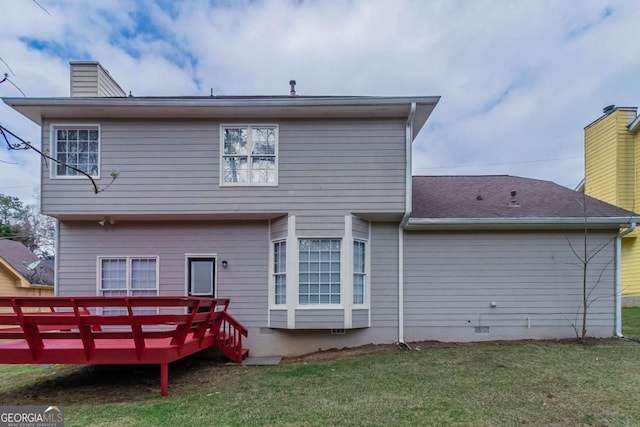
{"x": 319, "y": 271}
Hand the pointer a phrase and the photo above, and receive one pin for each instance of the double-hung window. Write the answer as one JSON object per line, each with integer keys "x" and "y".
{"x": 249, "y": 155}
{"x": 319, "y": 271}
{"x": 359, "y": 272}
{"x": 128, "y": 276}
{"x": 76, "y": 148}
{"x": 280, "y": 272}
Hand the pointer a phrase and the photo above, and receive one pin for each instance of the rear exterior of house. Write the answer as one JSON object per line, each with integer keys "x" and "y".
{"x": 298, "y": 209}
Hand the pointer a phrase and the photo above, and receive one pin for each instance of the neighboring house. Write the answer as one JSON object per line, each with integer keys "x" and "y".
{"x": 22, "y": 273}
{"x": 611, "y": 174}
{"x": 303, "y": 211}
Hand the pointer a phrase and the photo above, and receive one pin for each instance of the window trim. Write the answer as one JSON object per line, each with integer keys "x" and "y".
{"x": 339, "y": 306}
{"x": 54, "y": 149}
{"x": 276, "y": 305}
{"x": 365, "y": 274}
{"x": 248, "y": 126}
{"x": 128, "y": 259}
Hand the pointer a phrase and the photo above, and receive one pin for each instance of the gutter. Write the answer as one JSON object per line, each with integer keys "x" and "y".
{"x": 408, "y": 205}
{"x": 511, "y": 223}
{"x": 206, "y": 101}
{"x": 618, "y": 280}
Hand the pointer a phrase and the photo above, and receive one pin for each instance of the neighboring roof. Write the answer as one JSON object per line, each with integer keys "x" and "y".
{"x": 19, "y": 257}
{"x": 486, "y": 200}
{"x": 227, "y": 107}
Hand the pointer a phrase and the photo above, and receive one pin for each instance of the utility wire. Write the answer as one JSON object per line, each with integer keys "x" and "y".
{"x": 42, "y": 7}
{"x": 500, "y": 164}
{"x": 6, "y": 79}
{"x": 3, "y": 61}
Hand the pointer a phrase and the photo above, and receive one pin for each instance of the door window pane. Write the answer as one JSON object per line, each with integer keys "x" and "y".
{"x": 201, "y": 277}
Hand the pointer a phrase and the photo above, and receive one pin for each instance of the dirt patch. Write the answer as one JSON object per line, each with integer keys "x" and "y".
{"x": 336, "y": 354}
{"x": 79, "y": 384}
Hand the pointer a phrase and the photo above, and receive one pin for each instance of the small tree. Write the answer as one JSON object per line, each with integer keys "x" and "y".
{"x": 585, "y": 256}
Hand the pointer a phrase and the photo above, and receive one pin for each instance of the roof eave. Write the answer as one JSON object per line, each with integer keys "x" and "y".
{"x": 528, "y": 223}
{"x": 38, "y": 108}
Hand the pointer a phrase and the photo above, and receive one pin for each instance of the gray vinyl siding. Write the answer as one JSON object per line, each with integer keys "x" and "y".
{"x": 360, "y": 228}
{"x": 91, "y": 80}
{"x": 360, "y": 318}
{"x": 319, "y": 319}
{"x": 106, "y": 85}
{"x": 279, "y": 227}
{"x": 278, "y": 318}
{"x": 84, "y": 80}
{"x": 244, "y": 245}
{"x": 327, "y": 168}
{"x": 319, "y": 226}
{"x": 451, "y": 280}
{"x": 384, "y": 275}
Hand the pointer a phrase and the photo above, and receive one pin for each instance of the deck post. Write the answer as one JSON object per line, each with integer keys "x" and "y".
{"x": 164, "y": 379}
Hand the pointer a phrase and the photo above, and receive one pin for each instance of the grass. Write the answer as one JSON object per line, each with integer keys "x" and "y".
{"x": 536, "y": 383}
{"x": 631, "y": 322}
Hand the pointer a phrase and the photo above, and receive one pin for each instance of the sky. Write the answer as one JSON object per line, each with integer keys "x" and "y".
{"x": 519, "y": 80}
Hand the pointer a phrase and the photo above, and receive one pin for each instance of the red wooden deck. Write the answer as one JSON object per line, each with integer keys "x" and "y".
{"x": 75, "y": 330}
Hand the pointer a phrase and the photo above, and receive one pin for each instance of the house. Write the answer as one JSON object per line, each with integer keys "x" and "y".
{"x": 611, "y": 175}
{"x": 22, "y": 273}
{"x": 304, "y": 212}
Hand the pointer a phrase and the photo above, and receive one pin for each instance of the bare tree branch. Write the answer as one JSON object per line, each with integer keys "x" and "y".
{"x": 26, "y": 145}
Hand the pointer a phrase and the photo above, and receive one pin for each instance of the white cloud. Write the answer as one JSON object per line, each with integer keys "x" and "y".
{"x": 519, "y": 80}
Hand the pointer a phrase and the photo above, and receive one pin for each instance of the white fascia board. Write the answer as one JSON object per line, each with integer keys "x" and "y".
{"x": 222, "y": 102}
{"x": 36, "y": 109}
{"x": 517, "y": 223}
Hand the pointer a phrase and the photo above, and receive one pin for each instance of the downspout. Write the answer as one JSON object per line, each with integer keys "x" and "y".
{"x": 407, "y": 212}
{"x": 618, "y": 280}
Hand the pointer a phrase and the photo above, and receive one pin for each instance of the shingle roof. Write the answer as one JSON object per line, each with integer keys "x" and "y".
{"x": 457, "y": 197}
{"x": 19, "y": 256}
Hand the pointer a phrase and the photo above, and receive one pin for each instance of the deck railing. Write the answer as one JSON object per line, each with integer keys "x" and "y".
{"x": 138, "y": 330}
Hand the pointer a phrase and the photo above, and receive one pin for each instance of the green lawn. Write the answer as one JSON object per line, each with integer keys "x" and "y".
{"x": 535, "y": 383}
{"x": 631, "y": 322}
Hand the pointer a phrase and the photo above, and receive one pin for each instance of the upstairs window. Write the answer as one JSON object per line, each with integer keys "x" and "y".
{"x": 76, "y": 147}
{"x": 249, "y": 155}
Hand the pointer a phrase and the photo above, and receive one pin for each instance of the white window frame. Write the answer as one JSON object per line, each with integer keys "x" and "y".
{"x": 128, "y": 259}
{"x": 249, "y": 156}
{"x": 342, "y": 302}
{"x": 53, "y": 147}
{"x": 364, "y": 274}
{"x": 275, "y": 274}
